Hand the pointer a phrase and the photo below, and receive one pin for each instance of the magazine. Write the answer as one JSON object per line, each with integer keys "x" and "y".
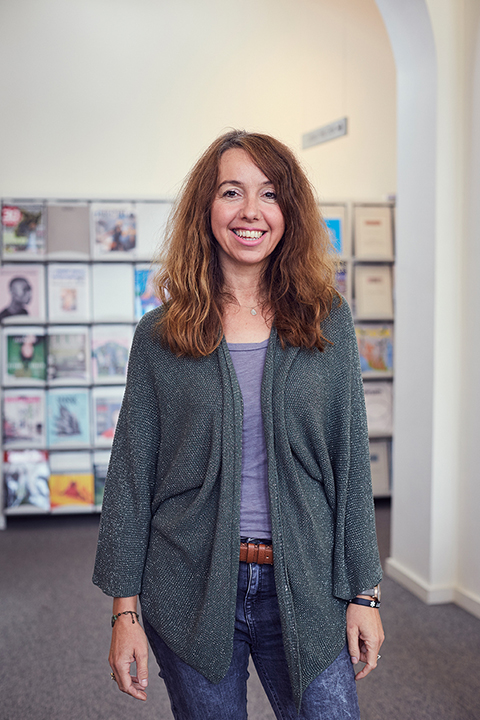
{"x": 335, "y": 220}
{"x": 23, "y": 230}
{"x": 101, "y": 458}
{"x": 379, "y": 403}
{"x": 26, "y": 475}
{"x": 68, "y": 417}
{"x": 112, "y": 292}
{"x": 373, "y": 233}
{"x": 110, "y": 349}
{"x": 114, "y": 230}
{"x": 341, "y": 279}
{"x": 152, "y": 219}
{"x": 380, "y": 467}
{"x": 107, "y": 402}
{"x": 145, "y": 298}
{"x": 71, "y": 482}
{"x": 375, "y": 345}
{"x": 68, "y": 293}
{"x": 373, "y": 292}
{"x": 24, "y": 418}
{"x": 68, "y": 355}
{"x": 24, "y": 355}
{"x": 22, "y": 294}
{"x": 68, "y": 236}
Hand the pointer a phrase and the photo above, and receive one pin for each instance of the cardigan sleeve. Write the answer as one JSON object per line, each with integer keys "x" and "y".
{"x": 126, "y": 511}
{"x": 356, "y": 559}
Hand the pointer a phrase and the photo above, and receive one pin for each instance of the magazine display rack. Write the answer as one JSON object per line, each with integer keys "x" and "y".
{"x": 363, "y": 237}
{"x": 75, "y": 279}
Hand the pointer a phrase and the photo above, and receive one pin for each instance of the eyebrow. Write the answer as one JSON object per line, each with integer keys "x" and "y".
{"x": 239, "y": 184}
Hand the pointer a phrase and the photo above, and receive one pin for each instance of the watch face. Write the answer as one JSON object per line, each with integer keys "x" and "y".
{"x": 378, "y": 592}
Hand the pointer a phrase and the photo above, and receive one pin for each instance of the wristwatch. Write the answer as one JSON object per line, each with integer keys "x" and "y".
{"x": 374, "y": 593}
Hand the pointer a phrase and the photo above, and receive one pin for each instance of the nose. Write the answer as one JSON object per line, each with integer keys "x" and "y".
{"x": 251, "y": 207}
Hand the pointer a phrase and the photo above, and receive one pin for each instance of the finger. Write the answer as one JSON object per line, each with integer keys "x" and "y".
{"x": 370, "y": 658}
{"x": 126, "y": 683}
{"x": 142, "y": 668}
{"x": 353, "y": 644}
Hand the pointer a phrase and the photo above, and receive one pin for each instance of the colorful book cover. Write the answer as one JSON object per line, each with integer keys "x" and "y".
{"x": 101, "y": 458}
{"x": 114, "y": 230}
{"x": 107, "y": 402}
{"x": 341, "y": 279}
{"x": 68, "y": 355}
{"x": 24, "y": 356}
{"x": 24, "y": 418}
{"x": 23, "y": 229}
{"x": 71, "y": 481}
{"x": 22, "y": 293}
{"x": 375, "y": 345}
{"x": 68, "y": 417}
{"x": 68, "y": 293}
{"x": 145, "y": 298}
{"x": 334, "y": 226}
{"x": 26, "y": 474}
{"x": 110, "y": 349}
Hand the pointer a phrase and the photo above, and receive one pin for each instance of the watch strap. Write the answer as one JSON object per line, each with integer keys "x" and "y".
{"x": 373, "y": 603}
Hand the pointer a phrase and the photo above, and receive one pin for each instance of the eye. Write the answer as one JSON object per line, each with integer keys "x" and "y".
{"x": 231, "y": 193}
{"x": 270, "y": 195}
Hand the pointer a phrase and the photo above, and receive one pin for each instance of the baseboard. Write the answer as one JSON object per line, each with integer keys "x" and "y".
{"x": 468, "y": 601}
{"x": 431, "y": 595}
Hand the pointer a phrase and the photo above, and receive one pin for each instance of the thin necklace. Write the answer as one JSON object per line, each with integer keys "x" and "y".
{"x": 253, "y": 310}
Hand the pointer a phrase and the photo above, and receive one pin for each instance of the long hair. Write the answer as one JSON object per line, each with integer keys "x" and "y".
{"x": 298, "y": 278}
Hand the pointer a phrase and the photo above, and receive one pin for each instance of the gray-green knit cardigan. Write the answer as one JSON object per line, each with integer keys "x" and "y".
{"x": 170, "y": 521}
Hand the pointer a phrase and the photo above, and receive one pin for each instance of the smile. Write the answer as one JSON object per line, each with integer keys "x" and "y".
{"x": 249, "y": 234}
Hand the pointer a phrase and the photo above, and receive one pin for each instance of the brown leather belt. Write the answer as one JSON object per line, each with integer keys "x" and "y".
{"x": 252, "y": 553}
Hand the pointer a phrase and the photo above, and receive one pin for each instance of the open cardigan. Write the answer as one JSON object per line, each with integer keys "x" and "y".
{"x": 170, "y": 521}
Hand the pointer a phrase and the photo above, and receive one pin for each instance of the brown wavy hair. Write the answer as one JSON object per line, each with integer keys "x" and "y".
{"x": 298, "y": 279}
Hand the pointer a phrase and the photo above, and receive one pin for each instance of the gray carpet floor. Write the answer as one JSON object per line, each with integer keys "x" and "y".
{"x": 54, "y": 638}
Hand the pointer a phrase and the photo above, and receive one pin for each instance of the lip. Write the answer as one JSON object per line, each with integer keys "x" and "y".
{"x": 248, "y": 242}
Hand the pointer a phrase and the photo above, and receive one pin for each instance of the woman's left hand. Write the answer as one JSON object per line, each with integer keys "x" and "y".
{"x": 364, "y": 636}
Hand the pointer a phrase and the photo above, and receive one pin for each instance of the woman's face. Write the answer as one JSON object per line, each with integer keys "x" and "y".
{"x": 245, "y": 217}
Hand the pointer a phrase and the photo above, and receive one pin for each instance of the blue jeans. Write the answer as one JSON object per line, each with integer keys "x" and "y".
{"x": 331, "y": 696}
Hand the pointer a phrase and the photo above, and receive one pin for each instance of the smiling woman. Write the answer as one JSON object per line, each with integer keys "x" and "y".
{"x": 238, "y": 501}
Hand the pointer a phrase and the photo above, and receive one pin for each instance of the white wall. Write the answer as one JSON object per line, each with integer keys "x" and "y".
{"x": 435, "y": 529}
{"x": 117, "y": 98}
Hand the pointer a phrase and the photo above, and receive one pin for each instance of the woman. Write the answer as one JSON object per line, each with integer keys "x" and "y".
{"x": 244, "y": 419}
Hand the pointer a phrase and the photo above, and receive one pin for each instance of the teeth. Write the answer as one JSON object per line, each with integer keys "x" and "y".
{"x": 252, "y": 234}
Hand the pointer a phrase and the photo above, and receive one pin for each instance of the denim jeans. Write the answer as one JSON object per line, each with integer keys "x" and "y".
{"x": 331, "y": 696}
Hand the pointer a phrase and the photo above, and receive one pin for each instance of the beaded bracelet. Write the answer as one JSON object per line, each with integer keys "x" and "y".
{"x": 127, "y": 612}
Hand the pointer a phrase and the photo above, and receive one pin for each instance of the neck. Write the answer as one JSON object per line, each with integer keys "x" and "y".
{"x": 243, "y": 284}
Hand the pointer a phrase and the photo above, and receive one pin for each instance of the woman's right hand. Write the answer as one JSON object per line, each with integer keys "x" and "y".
{"x": 129, "y": 644}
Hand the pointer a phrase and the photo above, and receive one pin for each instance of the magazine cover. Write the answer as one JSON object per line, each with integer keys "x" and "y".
{"x": 71, "y": 482}
{"x": 379, "y": 403}
{"x": 101, "y": 458}
{"x": 24, "y": 356}
{"x": 26, "y": 475}
{"x": 380, "y": 467}
{"x": 68, "y": 293}
{"x": 68, "y": 231}
{"x": 373, "y": 232}
{"x": 114, "y": 230}
{"x": 335, "y": 220}
{"x": 341, "y": 279}
{"x": 113, "y": 293}
{"x": 151, "y": 223}
{"x": 110, "y": 349}
{"x": 373, "y": 292}
{"x": 107, "y": 402}
{"x": 24, "y": 418}
{"x": 23, "y": 230}
{"x": 145, "y": 298}
{"x": 68, "y": 417}
{"x": 375, "y": 345}
{"x": 22, "y": 293}
{"x": 68, "y": 355}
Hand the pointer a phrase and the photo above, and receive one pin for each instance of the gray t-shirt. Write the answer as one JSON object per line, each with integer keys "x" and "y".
{"x": 248, "y": 360}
